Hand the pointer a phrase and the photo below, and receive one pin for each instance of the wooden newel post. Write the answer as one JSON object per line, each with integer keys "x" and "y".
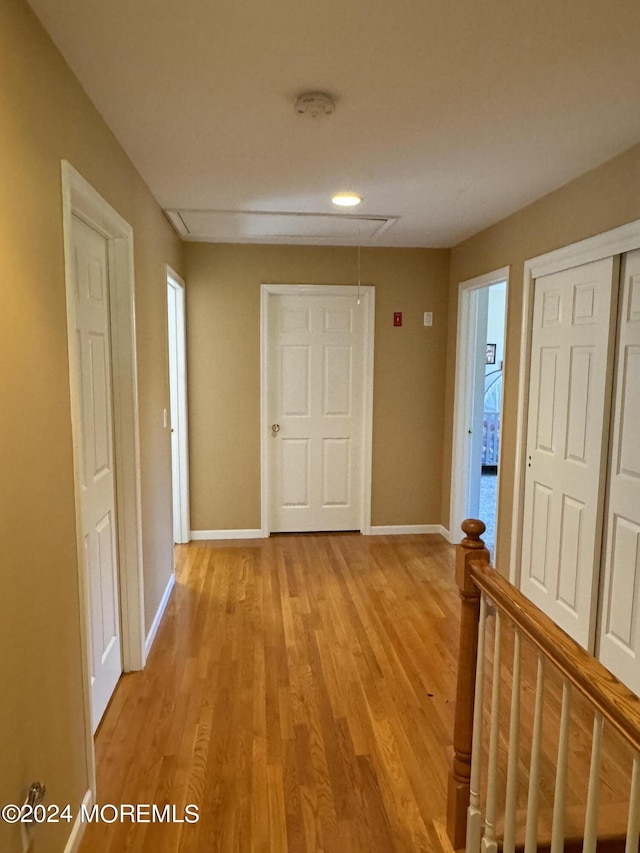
{"x": 470, "y": 549}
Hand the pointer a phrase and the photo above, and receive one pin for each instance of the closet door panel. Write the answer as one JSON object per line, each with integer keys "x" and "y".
{"x": 569, "y": 404}
{"x": 619, "y": 641}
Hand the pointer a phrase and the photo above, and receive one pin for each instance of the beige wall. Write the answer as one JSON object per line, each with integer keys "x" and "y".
{"x": 223, "y": 316}
{"x": 605, "y": 198}
{"x": 45, "y": 116}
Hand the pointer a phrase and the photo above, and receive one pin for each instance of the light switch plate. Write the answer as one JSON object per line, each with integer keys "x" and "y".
{"x": 428, "y": 318}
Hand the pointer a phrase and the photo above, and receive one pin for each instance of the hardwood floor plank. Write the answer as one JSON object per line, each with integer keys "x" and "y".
{"x": 300, "y": 692}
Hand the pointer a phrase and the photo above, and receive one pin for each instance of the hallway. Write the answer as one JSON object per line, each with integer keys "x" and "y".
{"x": 300, "y": 691}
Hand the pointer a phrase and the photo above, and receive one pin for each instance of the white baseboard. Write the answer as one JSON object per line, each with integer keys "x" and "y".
{"x": 408, "y": 529}
{"x": 381, "y": 530}
{"x": 153, "y": 630}
{"x": 447, "y": 535}
{"x": 79, "y": 825}
{"x": 243, "y": 533}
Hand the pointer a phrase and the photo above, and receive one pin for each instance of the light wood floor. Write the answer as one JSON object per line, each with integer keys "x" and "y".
{"x": 300, "y": 691}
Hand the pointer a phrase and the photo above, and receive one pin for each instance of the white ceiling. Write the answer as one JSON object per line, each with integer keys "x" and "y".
{"x": 451, "y": 114}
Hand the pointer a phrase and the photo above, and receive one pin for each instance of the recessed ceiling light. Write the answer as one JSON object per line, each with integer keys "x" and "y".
{"x": 346, "y": 199}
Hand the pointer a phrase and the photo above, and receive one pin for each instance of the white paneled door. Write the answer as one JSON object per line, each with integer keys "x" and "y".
{"x": 174, "y": 384}
{"x": 178, "y": 407}
{"x": 569, "y": 403}
{"x": 315, "y": 411}
{"x": 98, "y": 515}
{"x": 620, "y": 612}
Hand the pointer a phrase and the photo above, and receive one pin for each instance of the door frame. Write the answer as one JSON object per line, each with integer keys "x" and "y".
{"x": 617, "y": 241}
{"x": 466, "y": 344}
{"x": 79, "y": 198}
{"x": 367, "y": 294}
{"x": 182, "y": 525}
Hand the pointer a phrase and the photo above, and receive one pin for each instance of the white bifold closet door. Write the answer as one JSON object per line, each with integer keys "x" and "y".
{"x": 567, "y": 435}
{"x": 619, "y": 635}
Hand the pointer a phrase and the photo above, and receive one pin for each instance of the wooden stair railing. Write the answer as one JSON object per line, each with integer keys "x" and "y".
{"x": 474, "y": 830}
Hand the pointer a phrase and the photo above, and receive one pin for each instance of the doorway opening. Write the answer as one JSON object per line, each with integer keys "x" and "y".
{"x": 478, "y": 402}
{"x": 82, "y": 204}
{"x": 176, "y": 331}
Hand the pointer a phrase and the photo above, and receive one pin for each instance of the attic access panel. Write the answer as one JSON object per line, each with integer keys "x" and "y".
{"x": 221, "y": 226}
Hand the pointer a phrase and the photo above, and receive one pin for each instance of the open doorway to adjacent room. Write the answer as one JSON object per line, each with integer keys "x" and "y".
{"x": 478, "y": 402}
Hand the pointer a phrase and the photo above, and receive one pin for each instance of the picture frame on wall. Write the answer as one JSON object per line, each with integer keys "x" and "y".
{"x": 491, "y": 353}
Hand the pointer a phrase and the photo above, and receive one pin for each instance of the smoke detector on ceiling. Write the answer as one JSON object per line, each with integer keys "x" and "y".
{"x": 315, "y": 104}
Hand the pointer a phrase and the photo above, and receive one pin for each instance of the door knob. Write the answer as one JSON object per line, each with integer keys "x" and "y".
{"x": 275, "y": 428}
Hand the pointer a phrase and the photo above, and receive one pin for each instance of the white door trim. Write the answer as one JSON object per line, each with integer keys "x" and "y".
{"x": 80, "y": 199}
{"x": 367, "y": 303}
{"x": 626, "y": 238}
{"x": 466, "y": 344}
{"x": 184, "y": 522}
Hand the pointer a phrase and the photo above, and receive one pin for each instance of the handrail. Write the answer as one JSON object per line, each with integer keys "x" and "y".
{"x": 617, "y": 704}
{"x": 611, "y": 699}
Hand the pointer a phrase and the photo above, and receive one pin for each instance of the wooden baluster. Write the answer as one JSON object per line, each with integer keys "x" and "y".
{"x": 531, "y": 843}
{"x": 509, "y": 842}
{"x": 559, "y": 799}
{"x": 633, "y": 823}
{"x": 471, "y": 548}
{"x": 489, "y": 844}
{"x": 593, "y": 795}
{"x": 474, "y": 816}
